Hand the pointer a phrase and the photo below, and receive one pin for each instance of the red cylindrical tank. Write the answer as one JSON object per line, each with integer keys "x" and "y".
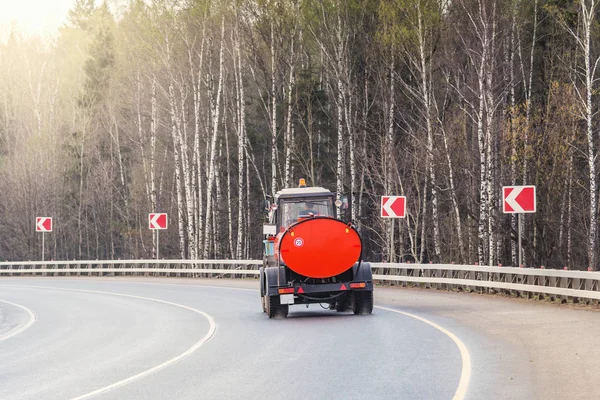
{"x": 320, "y": 247}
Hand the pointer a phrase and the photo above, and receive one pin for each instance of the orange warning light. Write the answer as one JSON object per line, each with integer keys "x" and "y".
{"x": 357, "y": 285}
{"x": 302, "y": 183}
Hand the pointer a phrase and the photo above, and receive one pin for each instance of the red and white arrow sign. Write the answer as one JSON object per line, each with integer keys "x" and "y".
{"x": 518, "y": 199}
{"x": 157, "y": 220}
{"x": 393, "y": 206}
{"x": 43, "y": 224}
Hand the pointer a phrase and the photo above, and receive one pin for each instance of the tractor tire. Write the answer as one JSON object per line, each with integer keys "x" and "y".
{"x": 362, "y": 303}
{"x": 274, "y": 309}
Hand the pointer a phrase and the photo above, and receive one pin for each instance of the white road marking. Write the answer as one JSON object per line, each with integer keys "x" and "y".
{"x": 196, "y": 346}
{"x": 117, "y": 280}
{"x": 12, "y": 333}
{"x": 465, "y": 375}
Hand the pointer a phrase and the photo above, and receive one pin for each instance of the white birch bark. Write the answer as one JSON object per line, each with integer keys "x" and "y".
{"x": 247, "y": 238}
{"x": 141, "y": 137}
{"x": 177, "y": 166}
{"x": 426, "y": 93}
{"x": 389, "y": 148}
{"x": 197, "y": 175}
{"x": 228, "y": 190}
{"x": 340, "y": 122}
{"x": 187, "y": 178}
{"x": 490, "y": 168}
{"x": 241, "y": 131}
{"x": 483, "y": 201}
{"x": 588, "y": 15}
{"x": 513, "y": 134}
{"x": 273, "y": 117}
{"x": 153, "y": 193}
{"x": 351, "y": 151}
{"x": 213, "y": 144}
{"x": 476, "y": 111}
{"x": 219, "y": 201}
{"x": 288, "y": 129}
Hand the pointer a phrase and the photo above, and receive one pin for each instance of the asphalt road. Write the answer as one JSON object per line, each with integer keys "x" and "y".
{"x": 189, "y": 339}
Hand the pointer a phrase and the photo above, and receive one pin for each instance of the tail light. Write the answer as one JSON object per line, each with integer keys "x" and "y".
{"x": 358, "y": 285}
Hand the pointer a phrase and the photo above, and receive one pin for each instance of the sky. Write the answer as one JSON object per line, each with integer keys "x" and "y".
{"x": 33, "y": 16}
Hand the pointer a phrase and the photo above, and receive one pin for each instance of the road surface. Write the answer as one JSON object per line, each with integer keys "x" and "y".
{"x": 154, "y": 338}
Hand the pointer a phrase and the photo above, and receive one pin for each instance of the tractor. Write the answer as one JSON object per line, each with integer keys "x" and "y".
{"x": 310, "y": 256}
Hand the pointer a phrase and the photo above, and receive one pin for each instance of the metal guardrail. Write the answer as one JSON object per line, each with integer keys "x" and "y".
{"x": 129, "y": 268}
{"x": 526, "y": 282}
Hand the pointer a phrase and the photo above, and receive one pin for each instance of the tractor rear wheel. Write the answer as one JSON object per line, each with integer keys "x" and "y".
{"x": 274, "y": 308}
{"x": 362, "y": 303}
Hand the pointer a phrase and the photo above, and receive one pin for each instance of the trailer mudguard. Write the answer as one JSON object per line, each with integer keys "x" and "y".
{"x": 363, "y": 272}
{"x": 274, "y": 277}
{"x": 262, "y": 281}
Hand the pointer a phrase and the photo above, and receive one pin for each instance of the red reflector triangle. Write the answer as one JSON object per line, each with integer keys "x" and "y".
{"x": 343, "y": 287}
{"x": 300, "y": 290}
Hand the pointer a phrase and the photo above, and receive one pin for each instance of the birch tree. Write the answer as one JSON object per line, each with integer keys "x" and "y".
{"x": 584, "y": 83}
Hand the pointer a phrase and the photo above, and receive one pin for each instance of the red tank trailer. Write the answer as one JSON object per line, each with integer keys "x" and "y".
{"x": 312, "y": 257}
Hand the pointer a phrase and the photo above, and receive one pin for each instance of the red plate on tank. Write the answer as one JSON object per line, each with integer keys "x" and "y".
{"x": 320, "y": 247}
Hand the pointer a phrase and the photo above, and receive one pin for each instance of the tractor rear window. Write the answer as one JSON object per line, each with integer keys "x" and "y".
{"x": 293, "y": 211}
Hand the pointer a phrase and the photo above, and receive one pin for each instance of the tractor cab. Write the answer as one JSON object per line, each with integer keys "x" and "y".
{"x": 293, "y": 205}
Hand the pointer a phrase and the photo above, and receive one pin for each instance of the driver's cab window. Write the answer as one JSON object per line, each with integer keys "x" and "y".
{"x": 294, "y": 211}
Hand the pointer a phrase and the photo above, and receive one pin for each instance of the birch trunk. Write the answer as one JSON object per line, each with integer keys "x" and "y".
{"x": 340, "y": 121}
{"x": 241, "y": 129}
{"x": 153, "y": 193}
{"x": 197, "y": 175}
{"x": 490, "y": 169}
{"x": 483, "y": 217}
{"x": 213, "y": 144}
{"x": 588, "y": 19}
{"x": 248, "y": 237}
{"x": 187, "y": 178}
{"x": 388, "y": 150}
{"x": 217, "y": 237}
{"x": 426, "y": 100}
{"x": 513, "y": 133}
{"x": 228, "y": 188}
{"x": 351, "y": 150}
{"x": 177, "y": 166}
{"x": 288, "y": 129}
{"x": 273, "y": 118}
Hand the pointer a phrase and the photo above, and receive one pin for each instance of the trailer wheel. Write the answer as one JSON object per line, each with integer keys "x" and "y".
{"x": 343, "y": 304}
{"x": 363, "y": 303}
{"x": 274, "y": 309}
{"x": 263, "y": 303}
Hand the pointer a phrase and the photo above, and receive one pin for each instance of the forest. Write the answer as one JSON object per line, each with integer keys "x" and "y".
{"x": 202, "y": 109}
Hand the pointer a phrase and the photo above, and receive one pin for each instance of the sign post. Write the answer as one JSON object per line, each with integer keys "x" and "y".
{"x": 519, "y": 200}
{"x": 43, "y": 224}
{"x": 157, "y": 222}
